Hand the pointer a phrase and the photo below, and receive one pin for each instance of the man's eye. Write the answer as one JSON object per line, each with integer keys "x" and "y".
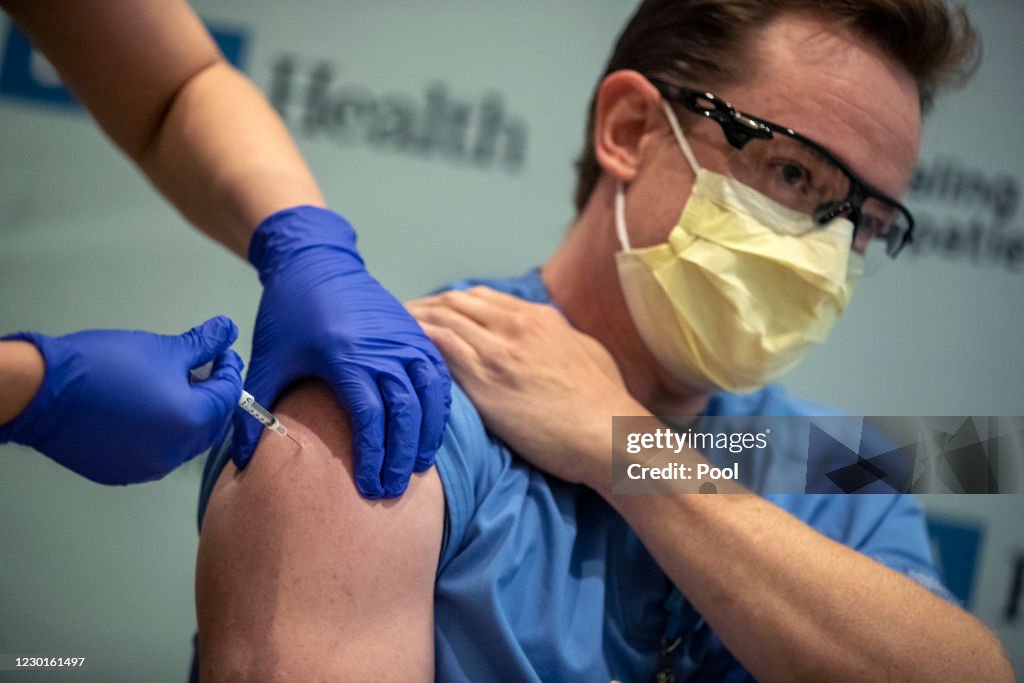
{"x": 793, "y": 175}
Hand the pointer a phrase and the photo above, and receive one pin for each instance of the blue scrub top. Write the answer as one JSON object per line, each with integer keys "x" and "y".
{"x": 540, "y": 580}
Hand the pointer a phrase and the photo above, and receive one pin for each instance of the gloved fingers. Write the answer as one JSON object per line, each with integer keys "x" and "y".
{"x": 361, "y": 397}
{"x": 214, "y": 402}
{"x": 248, "y": 430}
{"x": 211, "y": 339}
{"x": 404, "y": 418}
{"x": 224, "y": 387}
{"x": 246, "y": 436}
{"x": 434, "y": 392}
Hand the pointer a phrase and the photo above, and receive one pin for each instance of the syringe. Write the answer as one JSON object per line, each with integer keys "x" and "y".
{"x": 249, "y": 405}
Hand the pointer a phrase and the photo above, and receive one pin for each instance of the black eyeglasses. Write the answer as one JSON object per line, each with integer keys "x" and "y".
{"x": 800, "y": 174}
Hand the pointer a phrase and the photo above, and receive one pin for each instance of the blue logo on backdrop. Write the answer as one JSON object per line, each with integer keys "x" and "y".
{"x": 26, "y": 75}
{"x": 955, "y": 546}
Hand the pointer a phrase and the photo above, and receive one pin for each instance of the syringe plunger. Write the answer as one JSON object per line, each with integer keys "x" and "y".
{"x": 247, "y": 403}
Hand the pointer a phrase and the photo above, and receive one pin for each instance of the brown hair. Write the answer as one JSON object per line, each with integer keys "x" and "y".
{"x": 692, "y": 42}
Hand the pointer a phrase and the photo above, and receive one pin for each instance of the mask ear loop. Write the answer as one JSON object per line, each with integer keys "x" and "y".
{"x": 680, "y": 138}
{"x": 620, "y": 194}
{"x": 620, "y": 215}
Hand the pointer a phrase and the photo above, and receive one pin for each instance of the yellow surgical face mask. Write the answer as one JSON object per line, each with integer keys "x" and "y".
{"x": 743, "y": 286}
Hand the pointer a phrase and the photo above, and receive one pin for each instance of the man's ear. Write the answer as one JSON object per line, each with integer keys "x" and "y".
{"x": 627, "y": 105}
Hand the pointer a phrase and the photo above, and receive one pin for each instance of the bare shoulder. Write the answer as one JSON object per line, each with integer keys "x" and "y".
{"x": 299, "y": 577}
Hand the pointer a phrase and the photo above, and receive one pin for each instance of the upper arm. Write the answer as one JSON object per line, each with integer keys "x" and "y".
{"x": 124, "y": 60}
{"x": 300, "y": 578}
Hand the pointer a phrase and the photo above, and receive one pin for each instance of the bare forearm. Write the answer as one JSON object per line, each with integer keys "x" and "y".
{"x": 21, "y": 374}
{"x": 793, "y": 604}
{"x": 225, "y": 159}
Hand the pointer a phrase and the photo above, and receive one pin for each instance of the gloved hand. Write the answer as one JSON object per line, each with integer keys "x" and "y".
{"x": 323, "y": 315}
{"x": 118, "y": 407}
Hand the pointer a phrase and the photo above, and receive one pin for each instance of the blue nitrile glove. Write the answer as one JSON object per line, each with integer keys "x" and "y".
{"x": 118, "y": 407}
{"x": 322, "y": 315}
